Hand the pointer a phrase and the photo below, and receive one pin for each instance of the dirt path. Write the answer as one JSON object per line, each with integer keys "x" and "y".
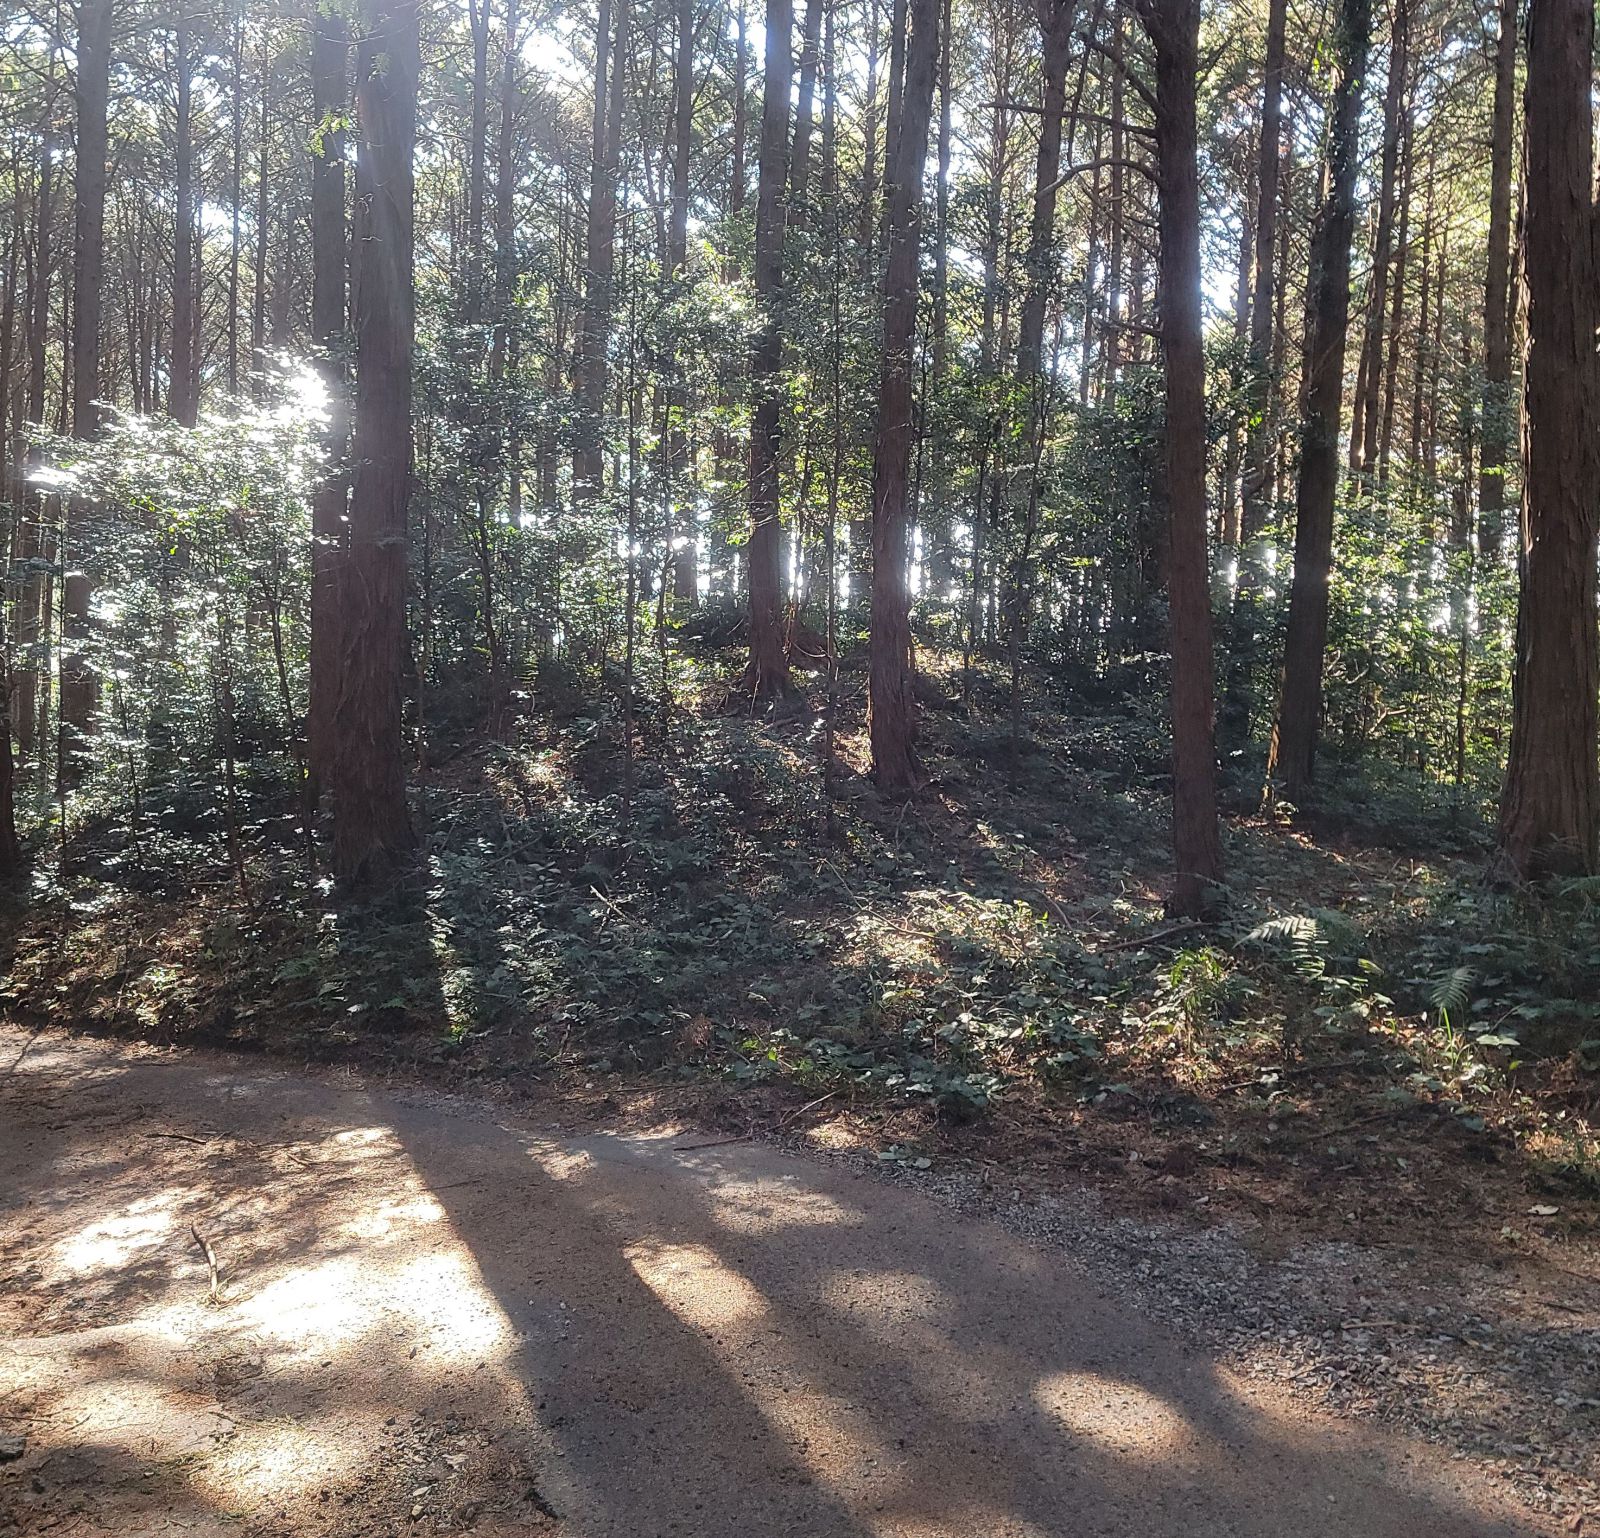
{"x": 430, "y": 1320}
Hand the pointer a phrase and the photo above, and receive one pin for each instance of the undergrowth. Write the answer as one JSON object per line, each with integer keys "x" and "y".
{"x": 702, "y": 914}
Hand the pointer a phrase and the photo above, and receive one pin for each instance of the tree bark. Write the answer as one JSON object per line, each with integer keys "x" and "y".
{"x": 767, "y": 672}
{"x": 477, "y": 160}
{"x": 1055, "y": 23}
{"x": 258, "y": 291}
{"x": 1397, "y": 305}
{"x": 236, "y": 193}
{"x": 1364, "y": 427}
{"x": 504, "y": 350}
{"x": 1498, "y": 406}
{"x": 684, "y": 563}
{"x": 588, "y": 461}
{"x": 741, "y": 111}
{"x": 1174, "y": 28}
{"x": 805, "y": 116}
{"x": 79, "y": 686}
{"x": 329, "y": 257}
{"x": 1550, "y": 808}
{"x": 372, "y": 826}
{"x": 1291, "y": 756}
{"x": 891, "y": 711}
{"x": 183, "y": 400}
{"x": 30, "y": 701}
{"x": 1257, "y": 483}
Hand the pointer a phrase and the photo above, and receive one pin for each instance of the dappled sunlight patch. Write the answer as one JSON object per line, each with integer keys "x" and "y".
{"x": 140, "y": 1419}
{"x": 1116, "y": 1416}
{"x": 110, "y": 1243}
{"x": 231, "y": 1086}
{"x": 742, "y": 1207}
{"x": 363, "y": 1137}
{"x": 313, "y": 1309}
{"x": 563, "y": 1163}
{"x": 885, "y": 1302}
{"x": 438, "y": 1301}
{"x": 447, "y": 1302}
{"x": 824, "y": 1426}
{"x": 282, "y": 1457}
{"x": 394, "y": 1220}
{"x": 695, "y": 1284}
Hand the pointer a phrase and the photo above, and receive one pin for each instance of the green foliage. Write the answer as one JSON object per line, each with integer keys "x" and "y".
{"x": 1449, "y": 995}
{"x": 1518, "y": 969}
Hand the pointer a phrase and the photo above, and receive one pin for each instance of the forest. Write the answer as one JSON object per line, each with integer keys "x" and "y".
{"x": 1000, "y": 585}
{"x": 651, "y": 509}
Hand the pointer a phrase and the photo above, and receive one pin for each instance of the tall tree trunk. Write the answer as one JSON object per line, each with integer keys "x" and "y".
{"x": 588, "y": 460}
{"x": 1419, "y": 353}
{"x": 477, "y": 159}
{"x": 1291, "y": 757}
{"x": 868, "y": 221}
{"x": 805, "y": 116}
{"x": 1116, "y": 318}
{"x": 183, "y": 400}
{"x": 860, "y": 551}
{"x": 767, "y": 672}
{"x": 329, "y": 98}
{"x": 236, "y": 191}
{"x": 941, "y": 231}
{"x": 1230, "y": 523}
{"x": 1364, "y": 428}
{"x": 1397, "y": 306}
{"x": 258, "y": 274}
{"x": 1258, "y": 480}
{"x": 1055, "y": 22}
{"x": 30, "y": 699}
{"x": 79, "y": 689}
{"x": 1498, "y": 406}
{"x": 1174, "y": 28}
{"x": 891, "y": 709}
{"x": 10, "y": 845}
{"x": 1261, "y": 451}
{"x": 684, "y": 562}
{"x": 741, "y": 110}
{"x": 372, "y": 827}
{"x": 1550, "y": 809}
{"x": 506, "y": 344}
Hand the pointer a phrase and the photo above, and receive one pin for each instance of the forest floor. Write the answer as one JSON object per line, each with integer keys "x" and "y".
{"x": 256, "y": 1301}
{"x": 1343, "y": 1138}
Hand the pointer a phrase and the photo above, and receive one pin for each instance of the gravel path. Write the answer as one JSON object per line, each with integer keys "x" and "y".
{"x": 429, "y": 1317}
{"x": 1498, "y": 1368}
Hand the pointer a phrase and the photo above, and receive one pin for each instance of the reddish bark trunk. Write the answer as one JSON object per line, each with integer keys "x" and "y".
{"x": 1257, "y": 481}
{"x": 588, "y": 460}
{"x": 684, "y": 564}
{"x": 1498, "y": 406}
{"x": 372, "y": 827}
{"x": 329, "y": 96}
{"x": 1174, "y": 28}
{"x": 477, "y": 160}
{"x": 1550, "y": 810}
{"x": 1364, "y": 429}
{"x": 1292, "y": 754}
{"x": 891, "y": 711}
{"x": 79, "y": 685}
{"x": 183, "y": 400}
{"x": 1055, "y": 23}
{"x": 767, "y": 672}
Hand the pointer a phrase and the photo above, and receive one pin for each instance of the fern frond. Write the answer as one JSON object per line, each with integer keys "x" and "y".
{"x": 1295, "y": 928}
{"x": 1301, "y": 936}
{"x": 1451, "y": 993}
